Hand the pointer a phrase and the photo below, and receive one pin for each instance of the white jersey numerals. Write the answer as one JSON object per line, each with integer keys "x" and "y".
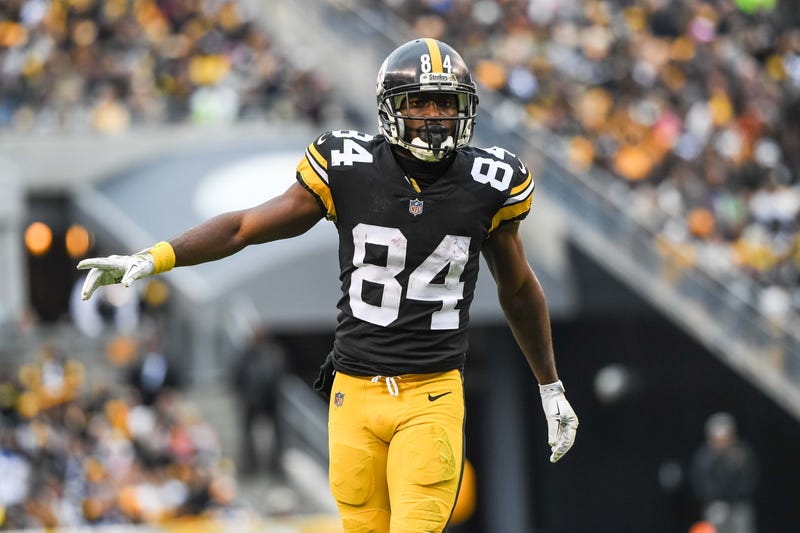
{"x": 396, "y": 244}
{"x": 351, "y": 151}
{"x": 498, "y": 174}
{"x": 452, "y": 253}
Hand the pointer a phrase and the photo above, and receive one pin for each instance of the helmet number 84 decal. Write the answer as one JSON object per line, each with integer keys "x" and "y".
{"x": 426, "y": 65}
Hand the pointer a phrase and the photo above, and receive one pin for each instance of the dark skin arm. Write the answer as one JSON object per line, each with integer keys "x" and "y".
{"x": 522, "y": 300}
{"x": 292, "y": 213}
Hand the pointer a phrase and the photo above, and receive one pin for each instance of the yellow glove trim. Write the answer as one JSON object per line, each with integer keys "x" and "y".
{"x": 163, "y": 257}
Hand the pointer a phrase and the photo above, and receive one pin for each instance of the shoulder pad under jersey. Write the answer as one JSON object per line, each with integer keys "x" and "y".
{"x": 507, "y": 173}
{"x": 329, "y": 150}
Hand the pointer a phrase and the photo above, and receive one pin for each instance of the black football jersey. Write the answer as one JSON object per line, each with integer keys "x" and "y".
{"x": 408, "y": 258}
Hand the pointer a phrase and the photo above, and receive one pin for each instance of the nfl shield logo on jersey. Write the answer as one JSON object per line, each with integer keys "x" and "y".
{"x": 338, "y": 399}
{"x": 415, "y": 206}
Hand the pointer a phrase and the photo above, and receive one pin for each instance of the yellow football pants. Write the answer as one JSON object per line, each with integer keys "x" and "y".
{"x": 396, "y": 451}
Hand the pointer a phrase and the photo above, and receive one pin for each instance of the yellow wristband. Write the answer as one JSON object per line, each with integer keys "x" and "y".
{"x": 163, "y": 257}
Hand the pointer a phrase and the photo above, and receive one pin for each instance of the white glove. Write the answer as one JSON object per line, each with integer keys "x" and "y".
{"x": 113, "y": 269}
{"x": 562, "y": 424}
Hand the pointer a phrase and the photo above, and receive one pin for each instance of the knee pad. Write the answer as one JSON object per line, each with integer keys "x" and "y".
{"x": 432, "y": 469}
{"x": 429, "y": 456}
{"x": 352, "y": 475}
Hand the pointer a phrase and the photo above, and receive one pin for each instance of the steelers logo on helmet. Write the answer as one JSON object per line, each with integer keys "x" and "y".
{"x": 421, "y": 73}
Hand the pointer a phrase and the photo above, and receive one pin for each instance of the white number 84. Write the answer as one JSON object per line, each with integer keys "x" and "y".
{"x": 452, "y": 252}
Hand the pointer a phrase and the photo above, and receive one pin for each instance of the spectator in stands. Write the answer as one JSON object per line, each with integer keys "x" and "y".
{"x": 15, "y": 471}
{"x": 257, "y": 378}
{"x": 724, "y": 475}
{"x": 51, "y": 380}
{"x": 9, "y": 395}
{"x": 153, "y": 373}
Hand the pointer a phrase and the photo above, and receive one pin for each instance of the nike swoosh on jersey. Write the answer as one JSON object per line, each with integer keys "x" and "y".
{"x": 432, "y": 398}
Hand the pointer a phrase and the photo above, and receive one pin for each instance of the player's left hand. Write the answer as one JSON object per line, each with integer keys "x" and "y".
{"x": 113, "y": 269}
{"x": 562, "y": 423}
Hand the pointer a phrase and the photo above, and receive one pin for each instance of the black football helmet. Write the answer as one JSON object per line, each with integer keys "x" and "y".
{"x": 425, "y": 65}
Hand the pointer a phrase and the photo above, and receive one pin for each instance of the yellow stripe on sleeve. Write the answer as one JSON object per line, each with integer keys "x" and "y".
{"x": 314, "y": 152}
{"x": 317, "y": 186}
{"x": 436, "y": 55}
{"x": 522, "y": 186}
{"x": 510, "y": 212}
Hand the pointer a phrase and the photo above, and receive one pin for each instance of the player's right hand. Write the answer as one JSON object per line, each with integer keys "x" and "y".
{"x": 113, "y": 269}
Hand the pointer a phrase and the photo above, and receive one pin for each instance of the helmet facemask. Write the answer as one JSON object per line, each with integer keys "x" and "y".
{"x": 438, "y": 135}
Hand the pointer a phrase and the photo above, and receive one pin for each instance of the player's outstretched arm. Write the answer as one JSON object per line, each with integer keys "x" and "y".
{"x": 290, "y": 214}
{"x": 524, "y": 305}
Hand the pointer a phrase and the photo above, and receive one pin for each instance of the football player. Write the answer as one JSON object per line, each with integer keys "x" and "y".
{"x": 414, "y": 206}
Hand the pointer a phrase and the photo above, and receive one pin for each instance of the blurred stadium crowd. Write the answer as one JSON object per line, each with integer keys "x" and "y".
{"x": 73, "y": 456}
{"x": 693, "y": 104}
{"x": 71, "y": 66}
